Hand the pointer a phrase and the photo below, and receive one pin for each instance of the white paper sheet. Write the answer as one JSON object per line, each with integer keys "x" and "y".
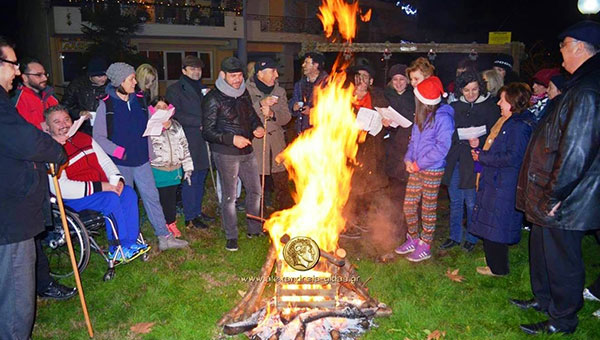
{"x": 394, "y": 116}
{"x": 76, "y": 125}
{"x": 471, "y": 132}
{"x": 155, "y": 123}
{"x": 369, "y": 120}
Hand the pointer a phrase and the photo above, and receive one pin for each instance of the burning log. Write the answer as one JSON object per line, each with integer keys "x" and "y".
{"x": 348, "y": 312}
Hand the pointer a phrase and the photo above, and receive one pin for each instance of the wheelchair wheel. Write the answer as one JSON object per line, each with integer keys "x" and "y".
{"x": 55, "y": 245}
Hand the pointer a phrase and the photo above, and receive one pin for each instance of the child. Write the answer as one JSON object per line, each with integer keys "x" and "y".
{"x": 171, "y": 161}
{"x": 425, "y": 162}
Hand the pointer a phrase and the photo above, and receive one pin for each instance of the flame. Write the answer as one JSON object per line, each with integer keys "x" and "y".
{"x": 367, "y": 16}
{"x": 342, "y": 12}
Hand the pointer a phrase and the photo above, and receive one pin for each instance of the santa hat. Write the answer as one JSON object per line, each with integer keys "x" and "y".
{"x": 430, "y": 91}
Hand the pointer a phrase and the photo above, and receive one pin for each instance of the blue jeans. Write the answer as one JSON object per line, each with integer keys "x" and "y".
{"x": 459, "y": 198}
{"x": 229, "y": 168}
{"x": 123, "y": 211}
{"x": 192, "y": 195}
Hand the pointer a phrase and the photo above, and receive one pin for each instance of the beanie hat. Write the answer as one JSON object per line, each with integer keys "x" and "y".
{"x": 543, "y": 76}
{"x": 397, "y": 69}
{"x": 264, "y": 63}
{"x": 117, "y": 72}
{"x": 96, "y": 67}
{"x": 505, "y": 61}
{"x": 232, "y": 65}
{"x": 430, "y": 91}
{"x": 559, "y": 81}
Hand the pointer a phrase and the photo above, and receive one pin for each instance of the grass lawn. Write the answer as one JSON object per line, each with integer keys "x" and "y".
{"x": 184, "y": 292}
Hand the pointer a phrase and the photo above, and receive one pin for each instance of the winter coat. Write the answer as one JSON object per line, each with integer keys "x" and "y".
{"x": 82, "y": 95}
{"x": 562, "y": 163}
{"x": 275, "y": 132}
{"x": 31, "y": 105}
{"x": 304, "y": 92}
{"x": 225, "y": 117}
{"x": 170, "y": 150}
{"x": 430, "y": 146}
{"x": 188, "y": 111}
{"x": 483, "y": 111}
{"x": 495, "y": 217}
{"x": 397, "y": 142}
{"x": 24, "y": 185}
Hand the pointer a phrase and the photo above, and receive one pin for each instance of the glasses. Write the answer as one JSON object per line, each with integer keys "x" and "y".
{"x": 39, "y": 75}
{"x": 564, "y": 43}
{"x": 10, "y": 62}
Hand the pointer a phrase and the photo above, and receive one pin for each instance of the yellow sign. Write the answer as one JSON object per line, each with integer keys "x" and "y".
{"x": 499, "y": 38}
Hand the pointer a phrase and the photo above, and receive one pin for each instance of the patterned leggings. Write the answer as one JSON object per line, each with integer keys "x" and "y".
{"x": 424, "y": 183}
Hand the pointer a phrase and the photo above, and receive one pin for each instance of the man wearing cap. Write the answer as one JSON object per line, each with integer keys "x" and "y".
{"x": 503, "y": 65}
{"x": 34, "y": 95}
{"x": 270, "y": 103}
{"x": 559, "y": 186}
{"x": 186, "y": 95}
{"x": 229, "y": 123}
{"x": 301, "y": 102}
{"x": 82, "y": 95}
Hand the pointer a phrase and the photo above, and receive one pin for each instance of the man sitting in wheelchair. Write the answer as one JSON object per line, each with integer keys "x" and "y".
{"x": 90, "y": 180}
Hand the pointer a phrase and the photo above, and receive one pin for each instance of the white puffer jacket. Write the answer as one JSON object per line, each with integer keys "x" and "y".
{"x": 170, "y": 149}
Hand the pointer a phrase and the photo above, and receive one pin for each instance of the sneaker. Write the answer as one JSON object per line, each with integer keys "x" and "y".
{"x": 468, "y": 246}
{"x": 596, "y": 313}
{"x": 198, "y": 223}
{"x": 240, "y": 206}
{"x": 422, "y": 252}
{"x": 232, "y": 245}
{"x": 450, "y": 243}
{"x": 587, "y": 295}
{"x": 407, "y": 247}
{"x": 170, "y": 242}
{"x": 128, "y": 253}
{"x": 172, "y": 228}
{"x": 140, "y": 247}
{"x": 251, "y": 235}
{"x": 207, "y": 217}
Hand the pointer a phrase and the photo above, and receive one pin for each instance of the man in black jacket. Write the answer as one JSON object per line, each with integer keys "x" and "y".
{"x": 229, "y": 123}
{"x": 559, "y": 186}
{"x": 23, "y": 151}
{"x": 186, "y": 95}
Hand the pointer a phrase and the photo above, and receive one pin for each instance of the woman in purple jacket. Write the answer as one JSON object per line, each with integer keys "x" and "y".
{"x": 425, "y": 162}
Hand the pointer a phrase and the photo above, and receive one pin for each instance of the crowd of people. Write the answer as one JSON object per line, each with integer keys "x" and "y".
{"x": 508, "y": 153}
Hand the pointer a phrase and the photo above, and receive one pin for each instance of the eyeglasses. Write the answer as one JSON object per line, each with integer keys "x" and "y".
{"x": 10, "y": 62}
{"x": 564, "y": 43}
{"x": 39, "y": 75}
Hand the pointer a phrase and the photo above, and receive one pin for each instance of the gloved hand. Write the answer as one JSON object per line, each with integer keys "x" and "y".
{"x": 187, "y": 176}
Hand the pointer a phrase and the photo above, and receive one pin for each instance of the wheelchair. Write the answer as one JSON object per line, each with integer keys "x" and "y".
{"x": 84, "y": 227}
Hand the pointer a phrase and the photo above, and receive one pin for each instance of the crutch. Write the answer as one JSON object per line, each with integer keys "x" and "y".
{"x": 63, "y": 218}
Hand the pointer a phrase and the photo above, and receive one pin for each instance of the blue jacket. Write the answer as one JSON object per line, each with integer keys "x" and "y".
{"x": 430, "y": 146}
{"x": 495, "y": 217}
{"x": 303, "y": 92}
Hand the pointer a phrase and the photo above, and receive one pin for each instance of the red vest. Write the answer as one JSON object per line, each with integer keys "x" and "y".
{"x": 83, "y": 162}
{"x": 31, "y": 106}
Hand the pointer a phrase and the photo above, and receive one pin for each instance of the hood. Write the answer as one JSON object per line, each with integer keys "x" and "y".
{"x": 479, "y": 99}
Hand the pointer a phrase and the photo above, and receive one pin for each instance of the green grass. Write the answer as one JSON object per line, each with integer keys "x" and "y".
{"x": 184, "y": 292}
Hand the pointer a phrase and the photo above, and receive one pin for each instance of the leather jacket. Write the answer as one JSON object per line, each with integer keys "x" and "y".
{"x": 562, "y": 162}
{"x": 224, "y": 117}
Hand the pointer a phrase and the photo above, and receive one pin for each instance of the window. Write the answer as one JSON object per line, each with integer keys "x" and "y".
{"x": 72, "y": 64}
{"x": 168, "y": 63}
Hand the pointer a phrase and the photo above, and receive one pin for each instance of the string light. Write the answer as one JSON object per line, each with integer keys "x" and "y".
{"x": 167, "y": 4}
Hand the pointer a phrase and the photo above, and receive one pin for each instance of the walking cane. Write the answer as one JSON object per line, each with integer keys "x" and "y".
{"x": 262, "y": 194}
{"x": 63, "y": 219}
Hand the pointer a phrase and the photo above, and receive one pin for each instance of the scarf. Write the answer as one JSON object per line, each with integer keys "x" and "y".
{"x": 364, "y": 102}
{"x": 195, "y": 84}
{"x": 490, "y": 140}
{"x": 262, "y": 87}
{"x": 228, "y": 90}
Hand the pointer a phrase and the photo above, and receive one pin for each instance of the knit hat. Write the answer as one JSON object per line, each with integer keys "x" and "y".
{"x": 96, "y": 67}
{"x": 587, "y": 30}
{"x": 397, "y": 69}
{"x": 232, "y": 65}
{"x": 559, "y": 81}
{"x": 505, "y": 61}
{"x": 263, "y": 63}
{"x": 117, "y": 72}
{"x": 430, "y": 91}
{"x": 193, "y": 61}
{"x": 543, "y": 76}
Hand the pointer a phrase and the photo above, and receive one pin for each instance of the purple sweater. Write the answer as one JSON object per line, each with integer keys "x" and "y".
{"x": 430, "y": 146}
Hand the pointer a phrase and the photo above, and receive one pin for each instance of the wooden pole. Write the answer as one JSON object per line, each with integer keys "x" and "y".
{"x": 63, "y": 218}
{"x": 262, "y": 185}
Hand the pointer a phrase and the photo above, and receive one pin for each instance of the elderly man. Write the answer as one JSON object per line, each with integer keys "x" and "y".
{"x": 270, "y": 103}
{"x": 23, "y": 191}
{"x": 34, "y": 95}
{"x": 301, "y": 102}
{"x": 559, "y": 186}
{"x": 92, "y": 181}
{"x": 186, "y": 95}
{"x": 229, "y": 122}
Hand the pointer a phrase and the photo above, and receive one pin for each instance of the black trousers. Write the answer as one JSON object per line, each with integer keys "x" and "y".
{"x": 42, "y": 267}
{"x": 496, "y": 256}
{"x": 557, "y": 273}
{"x": 168, "y": 201}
